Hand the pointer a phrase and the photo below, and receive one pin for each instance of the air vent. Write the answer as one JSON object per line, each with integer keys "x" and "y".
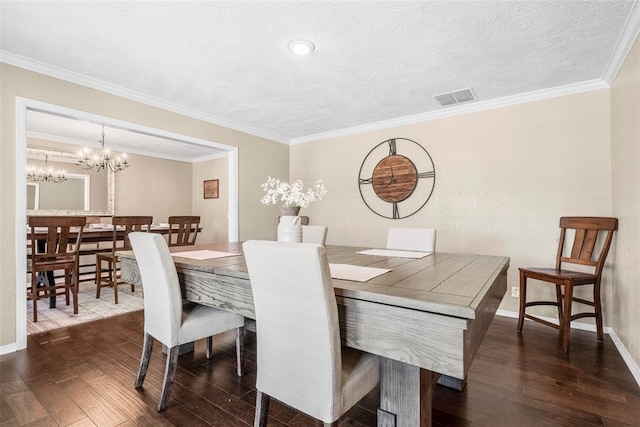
{"x": 457, "y": 97}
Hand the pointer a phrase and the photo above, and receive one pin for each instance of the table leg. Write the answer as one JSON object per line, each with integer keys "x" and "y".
{"x": 45, "y": 280}
{"x": 405, "y": 394}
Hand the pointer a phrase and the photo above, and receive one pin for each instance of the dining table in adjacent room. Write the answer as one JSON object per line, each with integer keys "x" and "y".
{"x": 426, "y": 317}
{"x": 92, "y": 234}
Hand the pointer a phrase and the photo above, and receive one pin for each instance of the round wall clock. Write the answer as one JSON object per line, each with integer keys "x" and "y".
{"x": 396, "y": 178}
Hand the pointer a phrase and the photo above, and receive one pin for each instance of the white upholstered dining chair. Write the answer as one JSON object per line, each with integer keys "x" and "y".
{"x": 170, "y": 320}
{"x": 314, "y": 234}
{"x": 412, "y": 239}
{"x": 300, "y": 359}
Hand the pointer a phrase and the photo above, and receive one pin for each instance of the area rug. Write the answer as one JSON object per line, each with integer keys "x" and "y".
{"x": 89, "y": 308}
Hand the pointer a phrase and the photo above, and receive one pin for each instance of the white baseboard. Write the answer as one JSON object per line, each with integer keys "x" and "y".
{"x": 9, "y": 348}
{"x": 626, "y": 356}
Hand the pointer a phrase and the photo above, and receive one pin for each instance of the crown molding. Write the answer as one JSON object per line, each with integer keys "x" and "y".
{"x": 73, "y": 77}
{"x": 445, "y": 112}
{"x": 624, "y": 44}
{"x": 458, "y": 110}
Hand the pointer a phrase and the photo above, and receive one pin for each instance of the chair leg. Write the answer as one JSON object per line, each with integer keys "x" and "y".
{"x": 209, "y": 348}
{"x": 169, "y": 375}
{"x": 333, "y": 424}
{"x": 523, "y": 300}
{"x": 75, "y": 287}
{"x": 67, "y": 285}
{"x": 34, "y": 297}
{"x": 565, "y": 321}
{"x": 240, "y": 351}
{"x": 144, "y": 360}
{"x": 262, "y": 409}
{"x": 114, "y": 279}
{"x": 98, "y": 275}
{"x": 559, "y": 300}
{"x": 597, "y": 306}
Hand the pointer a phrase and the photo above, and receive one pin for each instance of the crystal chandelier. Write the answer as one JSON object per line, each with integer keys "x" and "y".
{"x": 105, "y": 161}
{"x": 46, "y": 174}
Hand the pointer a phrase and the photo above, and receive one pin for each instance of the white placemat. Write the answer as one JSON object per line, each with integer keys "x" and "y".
{"x": 395, "y": 253}
{"x": 355, "y": 273}
{"x": 203, "y": 254}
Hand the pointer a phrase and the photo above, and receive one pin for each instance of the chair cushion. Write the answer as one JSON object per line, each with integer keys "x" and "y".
{"x": 360, "y": 374}
{"x": 200, "y": 321}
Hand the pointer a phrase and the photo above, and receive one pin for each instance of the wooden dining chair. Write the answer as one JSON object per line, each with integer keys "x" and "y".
{"x": 314, "y": 234}
{"x": 183, "y": 230}
{"x": 588, "y": 233}
{"x": 300, "y": 359}
{"x": 412, "y": 239}
{"x": 170, "y": 320}
{"x": 122, "y": 226}
{"x": 55, "y": 244}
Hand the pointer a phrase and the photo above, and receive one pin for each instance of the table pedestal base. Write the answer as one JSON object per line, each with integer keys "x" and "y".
{"x": 405, "y": 394}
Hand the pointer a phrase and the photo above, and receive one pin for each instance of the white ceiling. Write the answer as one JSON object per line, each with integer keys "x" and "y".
{"x": 228, "y": 62}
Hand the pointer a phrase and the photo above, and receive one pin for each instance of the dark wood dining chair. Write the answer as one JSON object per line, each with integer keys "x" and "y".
{"x": 55, "y": 244}
{"x": 183, "y": 230}
{"x": 588, "y": 249}
{"x": 122, "y": 226}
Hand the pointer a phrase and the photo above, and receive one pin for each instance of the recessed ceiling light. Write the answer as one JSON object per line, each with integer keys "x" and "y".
{"x": 301, "y": 47}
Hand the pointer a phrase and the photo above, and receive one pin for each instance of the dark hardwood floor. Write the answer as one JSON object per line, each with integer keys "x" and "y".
{"x": 84, "y": 375}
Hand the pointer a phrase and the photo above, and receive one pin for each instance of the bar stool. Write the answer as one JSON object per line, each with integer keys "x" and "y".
{"x": 122, "y": 226}
{"x": 60, "y": 251}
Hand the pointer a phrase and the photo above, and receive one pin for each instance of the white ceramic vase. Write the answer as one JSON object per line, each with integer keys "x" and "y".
{"x": 290, "y": 227}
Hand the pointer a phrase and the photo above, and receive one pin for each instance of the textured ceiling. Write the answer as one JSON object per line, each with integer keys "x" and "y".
{"x": 374, "y": 61}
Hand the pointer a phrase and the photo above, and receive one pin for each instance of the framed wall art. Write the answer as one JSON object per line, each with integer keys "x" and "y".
{"x": 211, "y": 189}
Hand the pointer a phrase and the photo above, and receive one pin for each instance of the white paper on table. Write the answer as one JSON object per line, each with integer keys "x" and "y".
{"x": 355, "y": 273}
{"x": 203, "y": 254}
{"x": 395, "y": 253}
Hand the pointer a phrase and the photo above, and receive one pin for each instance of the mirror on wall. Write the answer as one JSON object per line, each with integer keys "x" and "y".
{"x": 84, "y": 192}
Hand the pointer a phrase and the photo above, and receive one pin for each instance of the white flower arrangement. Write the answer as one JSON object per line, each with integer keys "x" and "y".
{"x": 291, "y": 195}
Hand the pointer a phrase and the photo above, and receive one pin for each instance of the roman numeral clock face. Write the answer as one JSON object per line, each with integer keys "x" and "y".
{"x": 397, "y": 178}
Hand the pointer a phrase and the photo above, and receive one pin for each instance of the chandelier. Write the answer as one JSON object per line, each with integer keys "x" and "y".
{"x": 105, "y": 160}
{"x": 46, "y": 174}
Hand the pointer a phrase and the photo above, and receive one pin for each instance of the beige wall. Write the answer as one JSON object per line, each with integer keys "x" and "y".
{"x": 155, "y": 187}
{"x": 257, "y": 158}
{"x": 213, "y": 212}
{"x": 625, "y": 137}
{"x": 504, "y": 177}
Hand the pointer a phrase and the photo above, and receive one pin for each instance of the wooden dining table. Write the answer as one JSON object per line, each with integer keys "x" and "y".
{"x": 426, "y": 317}
{"x": 90, "y": 235}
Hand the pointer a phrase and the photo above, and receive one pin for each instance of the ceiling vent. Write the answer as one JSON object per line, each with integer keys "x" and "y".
{"x": 457, "y": 97}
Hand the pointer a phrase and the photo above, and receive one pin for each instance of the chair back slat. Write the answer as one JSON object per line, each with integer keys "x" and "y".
{"x": 130, "y": 224}
{"x": 183, "y": 230}
{"x": 59, "y": 242}
{"x": 588, "y": 230}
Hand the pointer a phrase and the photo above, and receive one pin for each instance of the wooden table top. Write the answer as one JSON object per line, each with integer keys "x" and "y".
{"x": 443, "y": 283}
